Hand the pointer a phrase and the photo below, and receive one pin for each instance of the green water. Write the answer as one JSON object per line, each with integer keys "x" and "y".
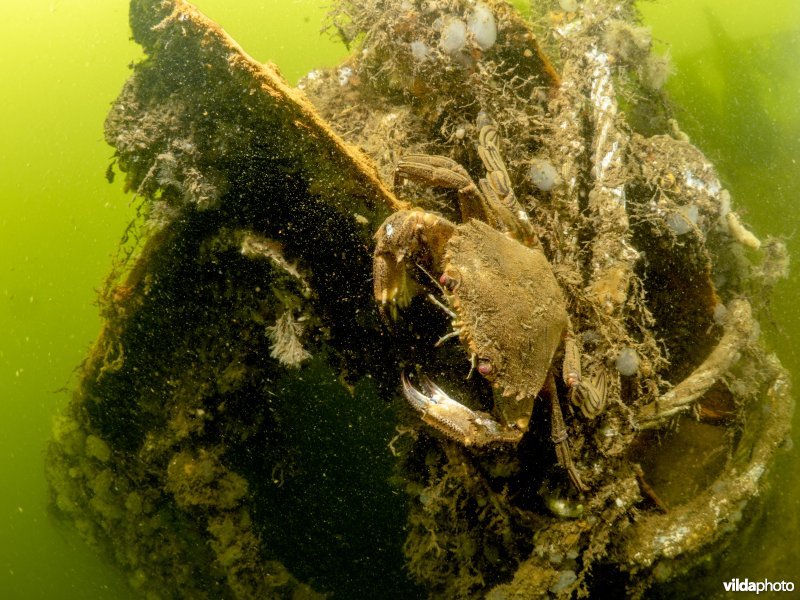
{"x": 63, "y": 61}
{"x": 738, "y": 84}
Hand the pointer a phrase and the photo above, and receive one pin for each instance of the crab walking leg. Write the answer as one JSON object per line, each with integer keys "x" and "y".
{"x": 496, "y": 206}
{"x": 587, "y": 394}
{"x": 433, "y": 170}
{"x": 496, "y": 186}
{"x": 558, "y": 434}
{"x": 462, "y": 424}
{"x": 444, "y": 172}
{"x": 738, "y": 331}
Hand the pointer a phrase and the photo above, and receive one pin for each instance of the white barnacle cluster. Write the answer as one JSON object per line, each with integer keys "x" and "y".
{"x": 566, "y": 578}
{"x": 310, "y": 77}
{"x": 683, "y": 220}
{"x": 543, "y": 174}
{"x": 343, "y": 75}
{"x": 456, "y": 33}
{"x": 420, "y": 51}
{"x": 627, "y": 362}
{"x": 482, "y": 26}
{"x": 453, "y": 36}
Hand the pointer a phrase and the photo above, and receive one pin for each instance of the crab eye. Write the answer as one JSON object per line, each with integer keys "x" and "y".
{"x": 448, "y": 282}
{"x": 485, "y": 366}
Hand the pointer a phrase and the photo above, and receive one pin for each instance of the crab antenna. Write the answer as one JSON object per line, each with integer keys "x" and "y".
{"x": 431, "y": 277}
{"x": 441, "y": 305}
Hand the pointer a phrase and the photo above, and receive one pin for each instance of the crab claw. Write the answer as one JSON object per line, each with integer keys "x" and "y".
{"x": 404, "y": 238}
{"x": 467, "y": 426}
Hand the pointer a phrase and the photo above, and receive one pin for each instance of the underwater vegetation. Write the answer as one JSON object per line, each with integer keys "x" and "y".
{"x": 240, "y": 429}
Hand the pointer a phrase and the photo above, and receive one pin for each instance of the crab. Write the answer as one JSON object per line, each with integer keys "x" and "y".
{"x": 507, "y": 307}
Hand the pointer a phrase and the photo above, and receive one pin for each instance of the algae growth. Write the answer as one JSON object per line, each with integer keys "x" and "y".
{"x": 233, "y": 433}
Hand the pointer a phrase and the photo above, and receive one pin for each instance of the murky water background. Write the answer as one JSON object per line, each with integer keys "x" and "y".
{"x": 738, "y": 81}
{"x": 63, "y": 61}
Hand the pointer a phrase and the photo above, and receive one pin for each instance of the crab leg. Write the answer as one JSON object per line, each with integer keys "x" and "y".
{"x": 558, "y": 434}
{"x": 476, "y": 428}
{"x": 441, "y": 171}
{"x": 496, "y": 187}
{"x": 433, "y": 170}
{"x": 447, "y": 336}
{"x": 438, "y": 303}
{"x": 587, "y": 394}
{"x": 497, "y": 205}
{"x": 559, "y": 437}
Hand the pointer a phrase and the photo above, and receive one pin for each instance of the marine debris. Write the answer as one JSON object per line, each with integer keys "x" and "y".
{"x": 240, "y": 428}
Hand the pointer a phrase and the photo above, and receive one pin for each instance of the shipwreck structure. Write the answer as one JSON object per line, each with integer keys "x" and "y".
{"x": 239, "y": 430}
